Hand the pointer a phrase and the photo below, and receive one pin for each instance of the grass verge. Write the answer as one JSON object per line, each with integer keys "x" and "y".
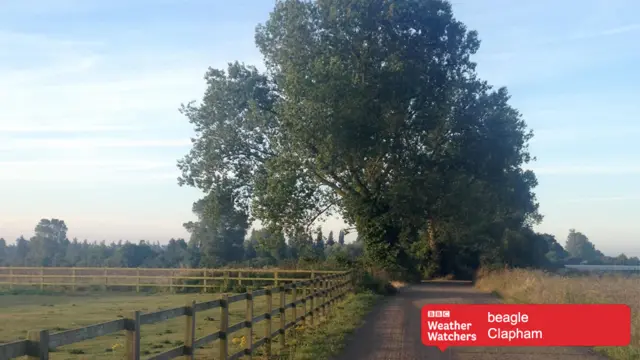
{"x": 329, "y": 338}
{"x": 538, "y": 287}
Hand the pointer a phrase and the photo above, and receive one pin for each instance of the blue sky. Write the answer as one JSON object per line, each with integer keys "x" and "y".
{"x": 90, "y": 131}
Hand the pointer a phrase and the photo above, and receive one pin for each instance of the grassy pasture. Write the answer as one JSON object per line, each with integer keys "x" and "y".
{"x": 537, "y": 287}
{"x": 21, "y": 313}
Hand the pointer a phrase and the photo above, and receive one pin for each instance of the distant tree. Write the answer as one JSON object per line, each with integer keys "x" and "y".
{"x": 133, "y": 255}
{"x": 579, "y": 246}
{"x": 3, "y": 252}
{"x": 621, "y": 259}
{"x": 175, "y": 254}
{"x": 73, "y": 254}
{"x": 301, "y": 245}
{"x": 556, "y": 253}
{"x": 634, "y": 261}
{"x": 22, "y": 251}
{"x": 341, "y": 237}
{"x": 319, "y": 244}
{"x": 221, "y": 227}
{"x": 330, "y": 240}
{"x": 251, "y": 247}
{"x": 48, "y": 245}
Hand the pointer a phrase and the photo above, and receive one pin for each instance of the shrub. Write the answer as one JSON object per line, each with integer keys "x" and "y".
{"x": 376, "y": 282}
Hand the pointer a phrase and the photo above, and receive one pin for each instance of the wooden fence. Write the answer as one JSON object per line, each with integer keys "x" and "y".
{"x": 139, "y": 278}
{"x": 324, "y": 292}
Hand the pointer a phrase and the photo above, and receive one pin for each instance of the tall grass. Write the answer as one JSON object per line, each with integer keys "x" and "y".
{"x": 529, "y": 286}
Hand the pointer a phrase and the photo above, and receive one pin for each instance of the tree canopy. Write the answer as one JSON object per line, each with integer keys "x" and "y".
{"x": 371, "y": 109}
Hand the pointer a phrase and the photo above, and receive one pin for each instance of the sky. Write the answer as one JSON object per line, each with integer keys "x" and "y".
{"x": 90, "y": 130}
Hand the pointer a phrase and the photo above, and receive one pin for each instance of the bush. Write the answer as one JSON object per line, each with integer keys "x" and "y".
{"x": 377, "y": 283}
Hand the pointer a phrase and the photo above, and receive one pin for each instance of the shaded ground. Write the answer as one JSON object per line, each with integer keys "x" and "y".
{"x": 392, "y": 331}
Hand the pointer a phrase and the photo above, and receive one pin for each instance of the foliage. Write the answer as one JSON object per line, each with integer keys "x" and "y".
{"x": 370, "y": 109}
{"x": 376, "y": 284}
{"x": 579, "y": 246}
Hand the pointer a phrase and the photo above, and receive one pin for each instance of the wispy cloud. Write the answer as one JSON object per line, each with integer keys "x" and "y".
{"x": 111, "y": 164}
{"x": 101, "y": 170}
{"x": 62, "y": 128}
{"x": 519, "y": 50}
{"x": 33, "y": 144}
{"x": 594, "y": 34}
{"x": 584, "y": 133}
{"x": 80, "y": 176}
{"x": 630, "y": 197}
{"x": 622, "y": 169}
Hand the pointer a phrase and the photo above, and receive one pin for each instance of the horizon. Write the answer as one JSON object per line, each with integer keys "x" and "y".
{"x": 90, "y": 130}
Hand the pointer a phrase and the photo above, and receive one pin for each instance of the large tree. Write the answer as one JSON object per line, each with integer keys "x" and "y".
{"x": 371, "y": 108}
{"x": 49, "y": 244}
{"x": 220, "y": 230}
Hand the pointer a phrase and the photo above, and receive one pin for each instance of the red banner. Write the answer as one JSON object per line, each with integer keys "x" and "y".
{"x": 446, "y": 325}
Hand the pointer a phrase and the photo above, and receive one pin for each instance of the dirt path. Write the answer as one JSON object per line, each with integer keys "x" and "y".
{"x": 392, "y": 331}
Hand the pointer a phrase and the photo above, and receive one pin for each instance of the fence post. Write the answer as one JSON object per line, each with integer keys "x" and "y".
{"x": 190, "y": 333}
{"x": 73, "y": 279}
{"x": 249, "y": 326}
{"x": 323, "y": 286}
{"x": 224, "y": 325}
{"x": 172, "y": 274}
{"x": 11, "y": 277}
{"x": 313, "y": 294}
{"x": 268, "y": 322}
{"x": 239, "y": 277}
{"x": 275, "y": 277}
{"x": 133, "y": 337}
{"x": 106, "y": 279}
{"x": 283, "y": 295}
{"x": 138, "y": 280}
{"x": 294, "y": 298}
{"x": 38, "y": 346}
{"x": 41, "y": 278}
{"x": 226, "y": 280}
{"x": 321, "y": 299}
{"x": 204, "y": 282}
{"x": 330, "y": 294}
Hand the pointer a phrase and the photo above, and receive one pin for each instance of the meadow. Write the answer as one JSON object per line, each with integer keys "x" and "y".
{"x": 528, "y": 286}
{"x": 58, "y": 312}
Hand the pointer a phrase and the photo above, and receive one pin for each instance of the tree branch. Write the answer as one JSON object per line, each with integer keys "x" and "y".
{"x": 322, "y": 211}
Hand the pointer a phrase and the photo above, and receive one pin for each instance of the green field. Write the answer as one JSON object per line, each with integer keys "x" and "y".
{"x": 21, "y": 313}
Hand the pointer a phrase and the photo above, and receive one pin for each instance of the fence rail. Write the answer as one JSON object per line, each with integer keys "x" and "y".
{"x": 603, "y": 267}
{"x": 328, "y": 289}
{"x": 140, "y": 278}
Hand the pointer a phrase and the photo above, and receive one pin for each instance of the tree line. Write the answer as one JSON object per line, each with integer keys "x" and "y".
{"x": 50, "y": 246}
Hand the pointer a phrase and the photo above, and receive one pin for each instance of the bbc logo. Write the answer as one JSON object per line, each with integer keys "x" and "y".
{"x": 438, "y": 313}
